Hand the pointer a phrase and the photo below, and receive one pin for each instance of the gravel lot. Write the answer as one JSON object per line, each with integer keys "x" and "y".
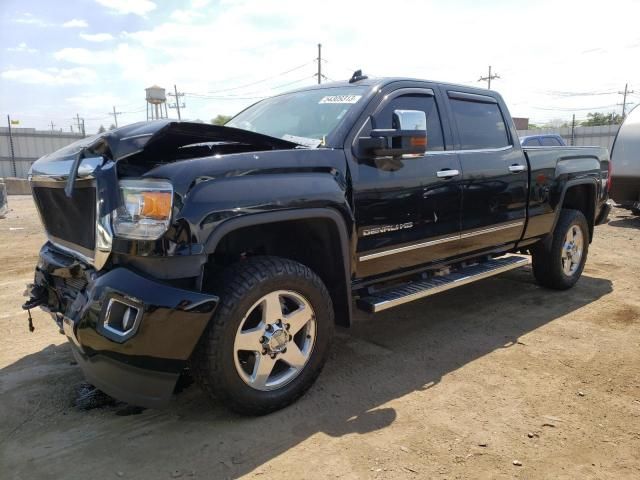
{"x": 499, "y": 379}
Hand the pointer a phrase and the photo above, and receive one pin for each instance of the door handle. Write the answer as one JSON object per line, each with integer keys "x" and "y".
{"x": 448, "y": 173}
{"x": 515, "y": 168}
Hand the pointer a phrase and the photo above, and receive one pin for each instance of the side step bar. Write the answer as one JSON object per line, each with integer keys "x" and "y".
{"x": 397, "y": 295}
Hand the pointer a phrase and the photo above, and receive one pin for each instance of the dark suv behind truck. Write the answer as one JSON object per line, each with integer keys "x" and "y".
{"x": 234, "y": 250}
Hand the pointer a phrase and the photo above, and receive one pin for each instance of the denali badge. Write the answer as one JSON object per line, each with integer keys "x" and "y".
{"x": 386, "y": 228}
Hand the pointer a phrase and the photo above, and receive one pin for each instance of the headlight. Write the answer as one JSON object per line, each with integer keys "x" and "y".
{"x": 146, "y": 210}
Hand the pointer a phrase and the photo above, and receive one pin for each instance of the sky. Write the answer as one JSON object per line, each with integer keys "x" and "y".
{"x": 59, "y": 59}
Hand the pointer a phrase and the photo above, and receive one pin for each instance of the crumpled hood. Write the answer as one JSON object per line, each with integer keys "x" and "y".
{"x": 166, "y": 136}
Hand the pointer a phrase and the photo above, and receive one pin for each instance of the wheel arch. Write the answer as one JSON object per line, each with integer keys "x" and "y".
{"x": 579, "y": 194}
{"x": 324, "y": 225}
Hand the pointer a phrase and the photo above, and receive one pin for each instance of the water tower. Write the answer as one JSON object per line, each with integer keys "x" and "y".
{"x": 156, "y": 102}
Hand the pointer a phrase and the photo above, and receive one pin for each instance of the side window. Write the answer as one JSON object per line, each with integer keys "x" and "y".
{"x": 480, "y": 125}
{"x": 550, "y": 142}
{"x": 427, "y": 104}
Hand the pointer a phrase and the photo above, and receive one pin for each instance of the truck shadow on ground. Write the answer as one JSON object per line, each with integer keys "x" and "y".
{"x": 378, "y": 360}
{"x": 626, "y": 222}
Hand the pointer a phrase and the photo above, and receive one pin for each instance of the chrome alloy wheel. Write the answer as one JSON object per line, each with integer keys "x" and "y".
{"x": 275, "y": 340}
{"x": 572, "y": 250}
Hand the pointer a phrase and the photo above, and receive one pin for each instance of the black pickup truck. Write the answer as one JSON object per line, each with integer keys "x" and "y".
{"x": 232, "y": 251}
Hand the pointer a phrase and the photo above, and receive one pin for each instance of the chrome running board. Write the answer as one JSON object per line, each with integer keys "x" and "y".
{"x": 397, "y": 295}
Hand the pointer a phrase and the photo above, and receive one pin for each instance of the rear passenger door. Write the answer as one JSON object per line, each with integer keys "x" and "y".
{"x": 495, "y": 177}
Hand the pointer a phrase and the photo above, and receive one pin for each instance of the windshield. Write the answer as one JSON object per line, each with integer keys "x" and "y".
{"x": 300, "y": 117}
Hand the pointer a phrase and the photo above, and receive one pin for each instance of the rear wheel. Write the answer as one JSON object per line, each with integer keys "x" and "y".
{"x": 558, "y": 265}
{"x": 269, "y": 337}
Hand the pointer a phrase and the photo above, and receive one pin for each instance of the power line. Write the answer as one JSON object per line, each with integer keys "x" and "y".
{"x": 239, "y": 97}
{"x": 578, "y": 94}
{"x": 263, "y": 79}
{"x": 555, "y": 109}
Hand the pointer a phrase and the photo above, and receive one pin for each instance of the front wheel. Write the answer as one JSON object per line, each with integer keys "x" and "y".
{"x": 558, "y": 265}
{"x": 269, "y": 337}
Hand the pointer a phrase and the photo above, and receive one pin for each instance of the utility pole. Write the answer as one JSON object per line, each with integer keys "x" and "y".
{"x": 115, "y": 116}
{"x": 13, "y": 155}
{"x": 489, "y": 78}
{"x": 71, "y": 128}
{"x": 573, "y": 130}
{"x": 624, "y": 99}
{"x": 80, "y": 123}
{"x": 52, "y": 125}
{"x": 84, "y": 134}
{"x": 319, "y": 63}
{"x": 176, "y": 105}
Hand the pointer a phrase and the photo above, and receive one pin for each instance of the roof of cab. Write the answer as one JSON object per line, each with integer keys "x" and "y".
{"x": 384, "y": 81}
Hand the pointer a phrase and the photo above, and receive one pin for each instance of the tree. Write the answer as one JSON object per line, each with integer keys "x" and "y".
{"x": 221, "y": 119}
{"x": 556, "y": 123}
{"x": 595, "y": 119}
{"x": 112, "y": 126}
{"x": 102, "y": 129}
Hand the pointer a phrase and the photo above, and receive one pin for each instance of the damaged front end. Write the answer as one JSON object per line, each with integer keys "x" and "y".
{"x": 133, "y": 319}
{"x": 131, "y": 335}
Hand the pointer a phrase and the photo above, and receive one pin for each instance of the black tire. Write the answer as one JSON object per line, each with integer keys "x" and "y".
{"x": 547, "y": 256}
{"x": 244, "y": 284}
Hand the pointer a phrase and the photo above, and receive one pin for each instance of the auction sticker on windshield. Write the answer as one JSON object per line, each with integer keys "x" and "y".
{"x": 340, "y": 99}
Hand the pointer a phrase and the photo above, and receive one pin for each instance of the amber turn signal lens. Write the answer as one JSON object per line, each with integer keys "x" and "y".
{"x": 156, "y": 205}
{"x": 418, "y": 141}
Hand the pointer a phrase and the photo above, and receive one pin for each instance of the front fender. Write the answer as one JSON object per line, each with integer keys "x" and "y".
{"x": 214, "y": 202}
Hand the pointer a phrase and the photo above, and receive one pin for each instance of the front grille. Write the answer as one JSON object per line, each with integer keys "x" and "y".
{"x": 70, "y": 219}
{"x": 75, "y": 283}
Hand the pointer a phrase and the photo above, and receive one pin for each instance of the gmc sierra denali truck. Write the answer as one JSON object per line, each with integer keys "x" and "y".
{"x": 232, "y": 251}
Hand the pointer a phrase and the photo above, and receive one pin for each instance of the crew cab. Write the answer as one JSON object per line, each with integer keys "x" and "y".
{"x": 234, "y": 250}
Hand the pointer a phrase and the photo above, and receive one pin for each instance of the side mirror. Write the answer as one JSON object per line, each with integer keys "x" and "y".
{"x": 407, "y": 137}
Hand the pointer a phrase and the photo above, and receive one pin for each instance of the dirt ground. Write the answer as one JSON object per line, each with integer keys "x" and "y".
{"x": 499, "y": 379}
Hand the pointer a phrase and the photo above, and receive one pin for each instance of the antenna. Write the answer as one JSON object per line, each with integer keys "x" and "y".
{"x": 357, "y": 76}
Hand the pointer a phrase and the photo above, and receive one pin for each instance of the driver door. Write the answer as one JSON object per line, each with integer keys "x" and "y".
{"x": 408, "y": 209}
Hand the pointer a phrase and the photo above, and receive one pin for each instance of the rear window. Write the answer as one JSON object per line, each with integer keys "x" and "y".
{"x": 531, "y": 142}
{"x": 480, "y": 125}
{"x": 550, "y": 142}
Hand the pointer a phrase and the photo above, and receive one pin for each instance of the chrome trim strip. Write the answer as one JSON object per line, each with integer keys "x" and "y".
{"x": 477, "y": 150}
{"x": 103, "y": 229}
{"x": 141, "y": 135}
{"x": 393, "y": 251}
{"x": 136, "y": 320}
{"x": 439, "y": 241}
{"x": 492, "y": 229}
{"x": 378, "y": 307}
{"x": 58, "y": 170}
{"x": 73, "y": 251}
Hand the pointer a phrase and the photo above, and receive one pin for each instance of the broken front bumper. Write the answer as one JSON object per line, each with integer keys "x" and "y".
{"x": 131, "y": 335}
